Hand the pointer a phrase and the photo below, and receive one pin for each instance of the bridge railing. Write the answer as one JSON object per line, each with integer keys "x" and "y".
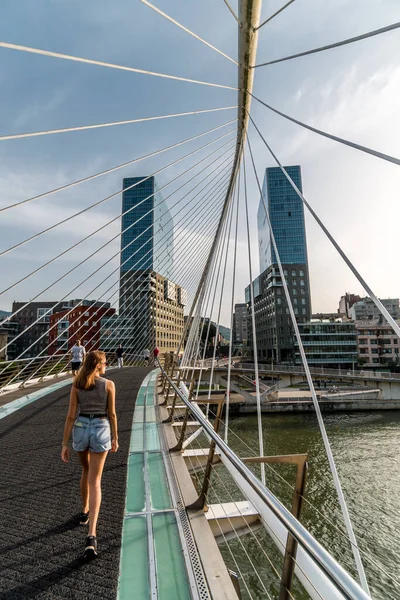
{"x": 321, "y": 575}
{"x": 17, "y": 373}
{"x": 267, "y": 368}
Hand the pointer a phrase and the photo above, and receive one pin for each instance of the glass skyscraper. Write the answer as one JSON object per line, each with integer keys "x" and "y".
{"x": 286, "y": 213}
{"x": 147, "y": 228}
{"x": 273, "y": 323}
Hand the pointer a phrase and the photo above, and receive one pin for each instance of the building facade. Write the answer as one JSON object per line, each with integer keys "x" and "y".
{"x": 33, "y": 323}
{"x": 378, "y": 345}
{"x": 8, "y": 331}
{"x": 346, "y": 302}
{"x": 327, "y": 343}
{"x": 273, "y": 322}
{"x": 274, "y": 327}
{"x": 366, "y": 310}
{"x": 147, "y": 236}
{"x": 286, "y": 213}
{"x": 239, "y": 334}
{"x": 155, "y": 318}
{"x": 82, "y": 323}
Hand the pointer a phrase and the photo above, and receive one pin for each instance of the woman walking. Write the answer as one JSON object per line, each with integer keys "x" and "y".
{"x": 93, "y": 422}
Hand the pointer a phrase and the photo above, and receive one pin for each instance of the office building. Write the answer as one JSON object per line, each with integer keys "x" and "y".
{"x": 378, "y": 344}
{"x": 155, "y": 318}
{"x": 366, "y": 310}
{"x": 239, "y": 334}
{"x": 147, "y": 236}
{"x": 286, "y": 213}
{"x": 328, "y": 343}
{"x": 273, "y": 322}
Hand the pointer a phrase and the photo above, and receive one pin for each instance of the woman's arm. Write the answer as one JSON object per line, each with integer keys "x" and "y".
{"x": 112, "y": 415}
{"x": 69, "y": 422}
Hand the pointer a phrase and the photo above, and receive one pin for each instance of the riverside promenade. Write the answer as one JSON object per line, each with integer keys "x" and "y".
{"x": 40, "y": 542}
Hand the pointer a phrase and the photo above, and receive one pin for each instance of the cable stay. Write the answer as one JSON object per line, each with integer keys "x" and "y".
{"x": 278, "y": 12}
{"x": 140, "y": 260}
{"x": 328, "y": 449}
{"x": 114, "y": 256}
{"x": 113, "y": 169}
{"x": 351, "y": 40}
{"x": 353, "y": 269}
{"x": 135, "y": 297}
{"x": 87, "y": 278}
{"x": 228, "y": 384}
{"x": 84, "y": 239}
{"x": 253, "y": 327}
{"x": 17, "y": 136}
{"x": 197, "y": 37}
{"x": 99, "y": 202}
{"x": 99, "y": 63}
{"x": 234, "y": 15}
{"x": 330, "y": 136}
{"x": 138, "y": 264}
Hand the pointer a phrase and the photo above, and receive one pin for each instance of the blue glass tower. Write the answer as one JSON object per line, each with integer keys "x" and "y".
{"x": 273, "y": 322}
{"x": 286, "y": 213}
{"x": 147, "y": 228}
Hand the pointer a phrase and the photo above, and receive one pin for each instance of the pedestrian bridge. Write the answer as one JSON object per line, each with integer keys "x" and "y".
{"x": 158, "y": 533}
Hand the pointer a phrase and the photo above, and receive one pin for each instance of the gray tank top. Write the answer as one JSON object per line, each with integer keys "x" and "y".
{"x": 94, "y": 401}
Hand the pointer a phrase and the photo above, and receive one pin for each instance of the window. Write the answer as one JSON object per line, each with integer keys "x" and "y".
{"x": 303, "y": 300}
{"x": 301, "y": 281}
{"x": 294, "y": 291}
{"x": 295, "y": 301}
{"x": 294, "y": 282}
{"x": 303, "y": 311}
{"x": 301, "y": 273}
{"x": 285, "y": 273}
{"x": 294, "y": 273}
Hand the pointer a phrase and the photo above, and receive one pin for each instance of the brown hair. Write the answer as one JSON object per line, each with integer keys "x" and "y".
{"x": 86, "y": 376}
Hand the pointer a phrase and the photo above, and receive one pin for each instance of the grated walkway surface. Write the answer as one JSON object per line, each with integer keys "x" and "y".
{"x": 40, "y": 543}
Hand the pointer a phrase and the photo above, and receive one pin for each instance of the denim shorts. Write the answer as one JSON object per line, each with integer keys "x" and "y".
{"x": 91, "y": 434}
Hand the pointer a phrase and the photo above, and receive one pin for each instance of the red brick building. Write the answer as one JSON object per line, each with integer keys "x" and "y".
{"x": 83, "y": 323}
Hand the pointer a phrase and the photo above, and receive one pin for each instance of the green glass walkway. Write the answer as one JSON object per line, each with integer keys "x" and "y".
{"x": 152, "y": 560}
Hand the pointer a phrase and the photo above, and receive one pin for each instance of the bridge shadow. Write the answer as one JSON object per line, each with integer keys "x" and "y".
{"x": 57, "y": 530}
{"x": 37, "y": 587}
{"x": 32, "y": 413}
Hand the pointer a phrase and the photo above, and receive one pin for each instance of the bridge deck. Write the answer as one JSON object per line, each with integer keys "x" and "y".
{"x": 40, "y": 543}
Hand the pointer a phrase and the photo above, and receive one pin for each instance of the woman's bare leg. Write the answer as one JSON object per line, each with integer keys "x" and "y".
{"x": 96, "y": 465}
{"x": 84, "y": 458}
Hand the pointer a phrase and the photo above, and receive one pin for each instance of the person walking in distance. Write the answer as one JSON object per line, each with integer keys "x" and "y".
{"x": 93, "y": 422}
{"x": 146, "y": 356}
{"x": 120, "y": 356}
{"x": 78, "y": 354}
{"x": 156, "y": 352}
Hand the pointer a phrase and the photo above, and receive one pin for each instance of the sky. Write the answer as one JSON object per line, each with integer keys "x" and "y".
{"x": 351, "y": 92}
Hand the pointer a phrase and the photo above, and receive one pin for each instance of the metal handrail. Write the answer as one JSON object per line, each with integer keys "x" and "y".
{"x": 336, "y": 573}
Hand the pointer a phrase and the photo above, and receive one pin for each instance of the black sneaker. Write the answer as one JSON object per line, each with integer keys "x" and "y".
{"x": 90, "y": 547}
{"x": 84, "y": 518}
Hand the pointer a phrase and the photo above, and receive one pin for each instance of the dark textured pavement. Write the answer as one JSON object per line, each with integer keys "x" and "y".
{"x": 40, "y": 543}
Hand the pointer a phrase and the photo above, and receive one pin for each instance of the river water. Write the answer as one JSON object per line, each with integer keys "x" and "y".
{"x": 366, "y": 450}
